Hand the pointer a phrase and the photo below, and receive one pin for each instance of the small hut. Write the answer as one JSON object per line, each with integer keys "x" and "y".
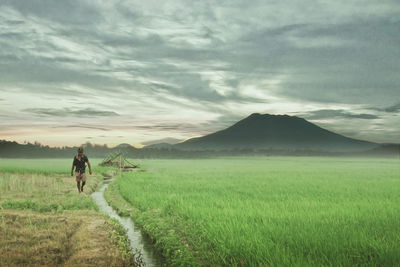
{"x": 118, "y": 160}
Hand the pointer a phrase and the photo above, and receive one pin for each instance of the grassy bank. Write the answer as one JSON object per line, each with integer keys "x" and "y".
{"x": 268, "y": 210}
{"x": 45, "y": 221}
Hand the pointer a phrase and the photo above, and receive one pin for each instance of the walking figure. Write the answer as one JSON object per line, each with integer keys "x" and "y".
{"x": 80, "y": 164}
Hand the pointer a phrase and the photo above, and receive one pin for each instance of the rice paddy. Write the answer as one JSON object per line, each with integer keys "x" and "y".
{"x": 240, "y": 211}
{"x": 269, "y": 211}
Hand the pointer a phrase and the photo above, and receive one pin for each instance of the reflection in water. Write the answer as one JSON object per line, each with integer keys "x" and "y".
{"x": 137, "y": 242}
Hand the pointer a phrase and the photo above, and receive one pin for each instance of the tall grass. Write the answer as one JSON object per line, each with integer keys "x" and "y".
{"x": 42, "y": 166}
{"x": 66, "y": 230}
{"x": 44, "y": 185}
{"x": 272, "y": 210}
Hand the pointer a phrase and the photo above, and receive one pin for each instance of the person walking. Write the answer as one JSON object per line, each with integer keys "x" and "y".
{"x": 80, "y": 163}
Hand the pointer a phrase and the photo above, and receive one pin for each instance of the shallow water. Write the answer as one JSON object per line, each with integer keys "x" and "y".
{"x": 137, "y": 240}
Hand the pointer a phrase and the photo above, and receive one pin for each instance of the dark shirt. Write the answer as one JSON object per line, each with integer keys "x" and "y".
{"x": 80, "y": 164}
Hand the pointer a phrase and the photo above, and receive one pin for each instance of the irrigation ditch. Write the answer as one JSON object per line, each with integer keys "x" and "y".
{"x": 139, "y": 243}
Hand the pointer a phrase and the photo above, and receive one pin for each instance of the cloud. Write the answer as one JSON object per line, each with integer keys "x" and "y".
{"x": 84, "y": 127}
{"x": 171, "y": 67}
{"x": 146, "y": 46}
{"x": 390, "y": 109}
{"x": 170, "y": 127}
{"x": 330, "y": 114}
{"x": 67, "y": 112}
{"x": 394, "y": 108}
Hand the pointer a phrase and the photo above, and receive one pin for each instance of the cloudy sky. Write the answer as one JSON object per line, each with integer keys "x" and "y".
{"x": 113, "y": 72}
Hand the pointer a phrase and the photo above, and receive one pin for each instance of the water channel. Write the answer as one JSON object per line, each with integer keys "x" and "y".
{"x": 137, "y": 240}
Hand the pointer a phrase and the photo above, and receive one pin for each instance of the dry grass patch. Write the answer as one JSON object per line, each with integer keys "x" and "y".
{"x": 71, "y": 238}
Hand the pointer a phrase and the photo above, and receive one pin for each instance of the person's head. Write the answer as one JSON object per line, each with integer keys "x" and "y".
{"x": 80, "y": 151}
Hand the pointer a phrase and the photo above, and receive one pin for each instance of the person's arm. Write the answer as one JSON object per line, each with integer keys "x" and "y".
{"x": 72, "y": 170}
{"x": 90, "y": 167}
{"x": 88, "y": 163}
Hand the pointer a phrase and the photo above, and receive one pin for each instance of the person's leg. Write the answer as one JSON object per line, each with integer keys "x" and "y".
{"x": 78, "y": 181}
{"x": 83, "y": 176}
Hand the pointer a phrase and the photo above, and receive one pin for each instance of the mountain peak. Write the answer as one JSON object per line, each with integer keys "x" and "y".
{"x": 268, "y": 131}
{"x": 270, "y": 116}
{"x": 255, "y": 115}
{"x": 257, "y": 120}
{"x": 124, "y": 145}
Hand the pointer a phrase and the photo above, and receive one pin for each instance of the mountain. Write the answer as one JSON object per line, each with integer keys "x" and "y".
{"x": 125, "y": 146}
{"x": 167, "y": 140}
{"x": 255, "y": 135}
{"x": 276, "y": 132}
{"x": 159, "y": 146}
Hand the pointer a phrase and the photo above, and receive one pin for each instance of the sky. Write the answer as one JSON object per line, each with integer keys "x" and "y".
{"x": 140, "y": 72}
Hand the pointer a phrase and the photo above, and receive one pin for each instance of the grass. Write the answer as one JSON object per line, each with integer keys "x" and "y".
{"x": 71, "y": 238}
{"x": 45, "y": 221}
{"x": 41, "y": 166}
{"x": 291, "y": 211}
{"x": 45, "y": 193}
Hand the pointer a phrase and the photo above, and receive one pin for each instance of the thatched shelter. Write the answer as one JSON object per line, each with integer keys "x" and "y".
{"x": 118, "y": 160}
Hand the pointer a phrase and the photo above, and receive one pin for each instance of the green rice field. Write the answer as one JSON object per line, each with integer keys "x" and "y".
{"x": 237, "y": 211}
{"x": 268, "y": 211}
